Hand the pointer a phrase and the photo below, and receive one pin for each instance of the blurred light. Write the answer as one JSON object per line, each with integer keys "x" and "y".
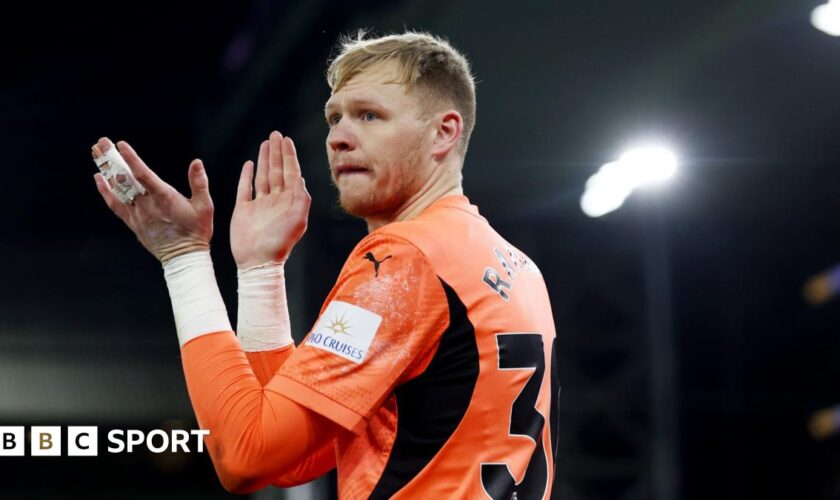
{"x": 607, "y": 189}
{"x": 826, "y": 17}
{"x": 822, "y": 287}
{"x": 649, "y": 165}
{"x": 598, "y": 202}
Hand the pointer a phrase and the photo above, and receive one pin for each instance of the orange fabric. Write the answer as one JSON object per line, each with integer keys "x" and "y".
{"x": 257, "y": 436}
{"x": 408, "y": 296}
{"x": 503, "y": 294}
{"x": 265, "y": 364}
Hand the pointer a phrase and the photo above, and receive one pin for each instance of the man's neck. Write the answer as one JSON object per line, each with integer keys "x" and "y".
{"x": 416, "y": 204}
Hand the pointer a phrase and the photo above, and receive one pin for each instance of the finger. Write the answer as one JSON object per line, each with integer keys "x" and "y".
{"x": 245, "y": 191}
{"x": 199, "y": 186}
{"x": 291, "y": 166}
{"x": 111, "y": 199}
{"x": 101, "y": 147}
{"x": 305, "y": 191}
{"x": 261, "y": 184}
{"x": 141, "y": 172}
{"x": 307, "y": 199}
{"x": 275, "y": 160}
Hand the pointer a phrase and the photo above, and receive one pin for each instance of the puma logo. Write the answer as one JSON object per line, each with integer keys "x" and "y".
{"x": 369, "y": 256}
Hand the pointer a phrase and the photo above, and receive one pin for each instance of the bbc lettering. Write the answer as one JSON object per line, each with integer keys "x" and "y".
{"x": 83, "y": 441}
{"x": 12, "y": 441}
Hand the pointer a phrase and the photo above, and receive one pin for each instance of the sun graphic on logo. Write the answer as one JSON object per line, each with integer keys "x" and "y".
{"x": 339, "y": 326}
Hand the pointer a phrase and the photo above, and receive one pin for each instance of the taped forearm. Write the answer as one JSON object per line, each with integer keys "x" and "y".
{"x": 196, "y": 301}
{"x": 256, "y": 435}
{"x": 264, "y": 329}
{"x": 263, "y": 316}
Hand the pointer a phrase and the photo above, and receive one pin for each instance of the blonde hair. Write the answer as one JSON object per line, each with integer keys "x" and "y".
{"x": 426, "y": 63}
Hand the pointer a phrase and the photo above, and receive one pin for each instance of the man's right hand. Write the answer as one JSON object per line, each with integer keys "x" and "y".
{"x": 167, "y": 223}
{"x": 272, "y": 210}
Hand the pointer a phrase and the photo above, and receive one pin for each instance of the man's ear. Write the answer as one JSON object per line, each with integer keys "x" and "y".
{"x": 448, "y": 130}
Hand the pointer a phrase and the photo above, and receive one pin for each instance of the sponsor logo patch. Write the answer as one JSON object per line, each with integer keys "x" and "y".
{"x": 345, "y": 330}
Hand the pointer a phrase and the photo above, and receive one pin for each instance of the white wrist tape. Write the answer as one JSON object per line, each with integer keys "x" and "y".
{"x": 263, "y": 317}
{"x": 196, "y": 301}
{"x": 118, "y": 175}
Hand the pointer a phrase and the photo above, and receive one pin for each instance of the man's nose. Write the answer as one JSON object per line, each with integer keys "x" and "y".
{"x": 341, "y": 138}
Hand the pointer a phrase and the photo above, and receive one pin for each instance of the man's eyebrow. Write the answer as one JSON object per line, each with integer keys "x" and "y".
{"x": 357, "y": 102}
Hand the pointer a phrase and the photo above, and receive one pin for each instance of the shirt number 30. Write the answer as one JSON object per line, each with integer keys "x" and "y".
{"x": 523, "y": 351}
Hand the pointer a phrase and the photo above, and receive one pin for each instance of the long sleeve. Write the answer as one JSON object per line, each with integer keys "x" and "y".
{"x": 265, "y": 364}
{"x": 257, "y": 436}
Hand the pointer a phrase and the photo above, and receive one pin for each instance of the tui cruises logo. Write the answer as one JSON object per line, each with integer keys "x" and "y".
{"x": 345, "y": 330}
{"x": 339, "y": 326}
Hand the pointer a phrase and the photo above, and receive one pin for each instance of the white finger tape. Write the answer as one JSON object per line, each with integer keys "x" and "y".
{"x": 118, "y": 175}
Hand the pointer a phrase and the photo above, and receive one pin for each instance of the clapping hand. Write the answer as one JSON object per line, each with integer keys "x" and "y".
{"x": 167, "y": 223}
{"x": 272, "y": 209}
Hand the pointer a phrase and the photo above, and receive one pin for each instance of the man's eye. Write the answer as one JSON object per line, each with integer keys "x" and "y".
{"x": 333, "y": 120}
{"x": 369, "y": 116}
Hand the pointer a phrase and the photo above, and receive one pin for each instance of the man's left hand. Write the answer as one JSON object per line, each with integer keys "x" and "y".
{"x": 272, "y": 206}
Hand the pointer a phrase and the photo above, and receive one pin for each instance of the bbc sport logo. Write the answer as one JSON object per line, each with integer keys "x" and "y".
{"x": 83, "y": 441}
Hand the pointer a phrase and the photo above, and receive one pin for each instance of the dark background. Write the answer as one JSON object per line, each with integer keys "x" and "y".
{"x": 746, "y": 92}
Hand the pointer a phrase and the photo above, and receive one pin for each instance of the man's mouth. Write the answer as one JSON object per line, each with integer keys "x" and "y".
{"x": 349, "y": 169}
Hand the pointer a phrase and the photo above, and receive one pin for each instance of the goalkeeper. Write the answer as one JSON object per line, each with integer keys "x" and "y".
{"x": 430, "y": 372}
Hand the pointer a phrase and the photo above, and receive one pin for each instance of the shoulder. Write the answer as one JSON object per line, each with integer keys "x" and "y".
{"x": 384, "y": 271}
{"x": 384, "y": 251}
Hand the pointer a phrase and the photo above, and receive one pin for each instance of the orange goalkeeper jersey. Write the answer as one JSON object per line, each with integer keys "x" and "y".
{"x": 435, "y": 349}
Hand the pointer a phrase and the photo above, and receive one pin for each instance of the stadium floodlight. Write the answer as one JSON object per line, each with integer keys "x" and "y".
{"x": 607, "y": 189}
{"x": 649, "y": 165}
{"x": 826, "y": 17}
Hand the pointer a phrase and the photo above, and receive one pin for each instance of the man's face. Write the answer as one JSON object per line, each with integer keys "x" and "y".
{"x": 379, "y": 147}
